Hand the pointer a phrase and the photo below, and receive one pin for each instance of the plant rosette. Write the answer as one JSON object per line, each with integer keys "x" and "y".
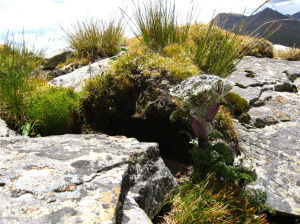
{"x": 202, "y": 95}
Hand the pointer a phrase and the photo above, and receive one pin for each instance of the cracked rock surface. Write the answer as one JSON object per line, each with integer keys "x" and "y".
{"x": 81, "y": 179}
{"x": 271, "y": 142}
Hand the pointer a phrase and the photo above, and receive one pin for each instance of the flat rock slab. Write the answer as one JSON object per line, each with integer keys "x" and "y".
{"x": 81, "y": 179}
{"x": 274, "y": 151}
{"x": 271, "y": 142}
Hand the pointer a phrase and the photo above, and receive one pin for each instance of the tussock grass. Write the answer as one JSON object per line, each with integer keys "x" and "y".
{"x": 207, "y": 202}
{"x": 18, "y": 66}
{"x": 292, "y": 54}
{"x": 218, "y": 50}
{"x": 156, "y": 23}
{"x": 95, "y": 38}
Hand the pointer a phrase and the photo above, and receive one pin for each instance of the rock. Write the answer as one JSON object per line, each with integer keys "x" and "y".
{"x": 279, "y": 48}
{"x": 271, "y": 142}
{"x": 145, "y": 103}
{"x": 251, "y": 94}
{"x": 78, "y": 77}
{"x": 274, "y": 153}
{"x": 56, "y": 57}
{"x": 81, "y": 179}
{"x": 5, "y": 131}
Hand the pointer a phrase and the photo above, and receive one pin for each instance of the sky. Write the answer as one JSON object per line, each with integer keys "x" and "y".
{"x": 40, "y": 20}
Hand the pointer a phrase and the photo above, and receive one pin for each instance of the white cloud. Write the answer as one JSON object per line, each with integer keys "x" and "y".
{"x": 41, "y": 17}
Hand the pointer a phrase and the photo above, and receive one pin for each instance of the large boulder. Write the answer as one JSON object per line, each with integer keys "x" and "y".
{"x": 81, "y": 179}
{"x": 271, "y": 141}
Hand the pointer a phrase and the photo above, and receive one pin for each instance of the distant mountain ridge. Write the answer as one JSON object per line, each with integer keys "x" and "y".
{"x": 287, "y": 35}
{"x": 296, "y": 15}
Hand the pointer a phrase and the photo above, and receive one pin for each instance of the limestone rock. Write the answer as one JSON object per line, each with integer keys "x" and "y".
{"x": 78, "y": 77}
{"x": 81, "y": 179}
{"x": 271, "y": 142}
{"x": 56, "y": 57}
{"x": 5, "y": 131}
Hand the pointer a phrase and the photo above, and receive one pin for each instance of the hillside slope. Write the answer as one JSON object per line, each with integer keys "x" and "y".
{"x": 288, "y": 34}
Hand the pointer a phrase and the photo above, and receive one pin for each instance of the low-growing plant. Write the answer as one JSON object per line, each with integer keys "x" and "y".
{"x": 93, "y": 38}
{"x": 141, "y": 60}
{"x": 18, "y": 64}
{"x": 292, "y": 54}
{"x": 236, "y": 103}
{"x": 208, "y": 202}
{"x": 52, "y": 110}
{"x": 156, "y": 23}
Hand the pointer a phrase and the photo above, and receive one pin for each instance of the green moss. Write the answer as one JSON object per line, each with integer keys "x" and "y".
{"x": 76, "y": 61}
{"x": 224, "y": 124}
{"x": 52, "y": 109}
{"x": 245, "y": 118}
{"x": 141, "y": 60}
{"x": 241, "y": 85}
{"x": 250, "y": 74}
{"x": 236, "y": 103}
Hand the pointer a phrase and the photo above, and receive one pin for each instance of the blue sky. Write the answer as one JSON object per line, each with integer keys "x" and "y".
{"x": 40, "y": 19}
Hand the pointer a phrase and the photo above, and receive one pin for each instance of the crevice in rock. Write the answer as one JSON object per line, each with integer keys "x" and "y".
{"x": 107, "y": 168}
{"x": 127, "y": 183}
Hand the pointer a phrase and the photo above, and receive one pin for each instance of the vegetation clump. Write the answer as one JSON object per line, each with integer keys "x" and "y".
{"x": 141, "y": 60}
{"x": 53, "y": 110}
{"x": 156, "y": 24}
{"x": 292, "y": 54}
{"x": 224, "y": 124}
{"x": 236, "y": 103}
{"x": 93, "y": 39}
{"x": 208, "y": 202}
{"x": 18, "y": 69}
{"x": 218, "y": 51}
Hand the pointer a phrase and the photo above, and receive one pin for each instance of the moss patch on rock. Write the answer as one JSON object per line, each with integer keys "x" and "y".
{"x": 236, "y": 103}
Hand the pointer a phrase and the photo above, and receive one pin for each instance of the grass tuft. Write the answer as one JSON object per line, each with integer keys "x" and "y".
{"x": 156, "y": 23}
{"x": 93, "y": 38}
{"x": 207, "y": 202}
{"x": 218, "y": 50}
{"x": 18, "y": 67}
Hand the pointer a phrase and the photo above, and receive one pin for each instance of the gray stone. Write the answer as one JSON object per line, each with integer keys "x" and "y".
{"x": 56, "y": 57}
{"x": 275, "y": 154}
{"x": 5, "y": 131}
{"x": 81, "y": 179}
{"x": 271, "y": 143}
{"x": 251, "y": 94}
{"x": 77, "y": 78}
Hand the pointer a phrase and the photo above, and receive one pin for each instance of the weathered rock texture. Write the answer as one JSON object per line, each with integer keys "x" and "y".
{"x": 81, "y": 179}
{"x": 5, "y": 131}
{"x": 272, "y": 139}
{"x": 56, "y": 57}
{"x": 78, "y": 77}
